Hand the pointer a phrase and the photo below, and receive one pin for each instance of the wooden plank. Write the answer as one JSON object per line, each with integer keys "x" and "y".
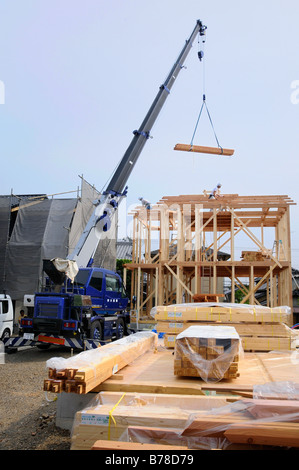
{"x": 274, "y": 434}
{"x": 147, "y": 387}
{"x": 201, "y": 149}
{"x": 263, "y": 408}
{"x": 133, "y": 446}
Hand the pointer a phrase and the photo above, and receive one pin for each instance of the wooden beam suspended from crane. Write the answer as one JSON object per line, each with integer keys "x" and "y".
{"x": 201, "y": 149}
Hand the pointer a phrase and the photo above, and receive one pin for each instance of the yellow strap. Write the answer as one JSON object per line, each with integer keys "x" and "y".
{"x": 111, "y": 416}
{"x": 230, "y": 314}
{"x": 165, "y": 312}
{"x": 254, "y": 314}
{"x": 196, "y": 313}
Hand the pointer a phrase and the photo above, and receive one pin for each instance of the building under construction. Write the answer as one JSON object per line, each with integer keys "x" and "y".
{"x": 185, "y": 246}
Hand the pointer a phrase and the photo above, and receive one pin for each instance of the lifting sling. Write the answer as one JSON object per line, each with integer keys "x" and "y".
{"x": 198, "y": 148}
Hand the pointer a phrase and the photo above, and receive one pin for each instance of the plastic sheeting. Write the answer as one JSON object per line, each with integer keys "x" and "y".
{"x": 40, "y": 232}
{"x": 195, "y": 422}
{"x": 4, "y": 232}
{"x": 95, "y": 357}
{"x": 45, "y": 229}
{"x": 209, "y": 352}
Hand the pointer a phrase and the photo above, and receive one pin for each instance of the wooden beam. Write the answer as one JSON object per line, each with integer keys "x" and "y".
{"x": 179, "y": 280}
{"x": 201, "y": 149}
{"x": 254, "y": 238}
{"x": 133, "y": 446}
{"x": 259, "y": 284}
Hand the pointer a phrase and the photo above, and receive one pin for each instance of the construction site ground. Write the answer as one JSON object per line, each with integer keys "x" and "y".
{"x": 27, "y": 414}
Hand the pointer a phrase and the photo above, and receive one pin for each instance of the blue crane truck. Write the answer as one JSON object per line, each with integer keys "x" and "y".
{"x": 85, "y": 313}
{"x": 90, "y": 307}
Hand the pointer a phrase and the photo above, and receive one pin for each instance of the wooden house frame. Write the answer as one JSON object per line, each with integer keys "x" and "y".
{"x": 176, "y": 245}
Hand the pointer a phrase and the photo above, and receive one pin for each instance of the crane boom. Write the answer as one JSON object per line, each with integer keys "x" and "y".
{"x": 121, "y": 175}
{"x": 106, "y": 206}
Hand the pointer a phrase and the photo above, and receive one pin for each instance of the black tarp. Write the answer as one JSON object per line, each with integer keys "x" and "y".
{"x": 40, "y": 232}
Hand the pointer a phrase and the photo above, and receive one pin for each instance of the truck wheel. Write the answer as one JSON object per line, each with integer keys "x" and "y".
{"x": 120, "y": 328}
{"x": 5, "y": 335}
{"x": 96, "y": 331}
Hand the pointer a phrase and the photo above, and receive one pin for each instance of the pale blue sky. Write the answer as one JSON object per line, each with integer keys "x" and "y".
{"x": 80, "y": 76}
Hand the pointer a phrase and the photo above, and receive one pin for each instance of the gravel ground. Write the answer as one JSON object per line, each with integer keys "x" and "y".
{"x": 27, "y": 414}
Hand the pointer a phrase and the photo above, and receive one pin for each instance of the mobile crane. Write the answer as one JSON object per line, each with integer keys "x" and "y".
{"x": 92, "y": 308}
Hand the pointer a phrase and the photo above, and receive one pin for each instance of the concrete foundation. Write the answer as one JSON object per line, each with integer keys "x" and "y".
{"x": 67, "y": 406}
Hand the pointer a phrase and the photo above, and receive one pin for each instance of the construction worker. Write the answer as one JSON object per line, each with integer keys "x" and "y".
{"x": 22, "y": 314}
{"x": 145, "y": 203}
{"x": 215, "y": 194}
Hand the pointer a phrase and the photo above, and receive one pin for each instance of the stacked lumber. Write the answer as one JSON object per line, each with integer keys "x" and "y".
{"x": 82, "y": 373}
{"x": 111, "y": 413}
{"x": 195, "y": 422}
{"x": 207, "y": 297}
{"x": 260, "y": 328}
{"x": 261, "y": 422}
{"x": 209, "y": 352}
{"x": 254, "y": 256}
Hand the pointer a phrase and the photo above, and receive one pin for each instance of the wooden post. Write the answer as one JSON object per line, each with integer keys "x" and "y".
{"x": 215, "y": 252}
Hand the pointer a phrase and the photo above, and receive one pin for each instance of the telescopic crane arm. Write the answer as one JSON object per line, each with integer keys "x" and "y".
{"x": 108, "y": 202}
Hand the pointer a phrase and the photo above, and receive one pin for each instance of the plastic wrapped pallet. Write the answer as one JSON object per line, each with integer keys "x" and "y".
{"x": 209, "y": 352}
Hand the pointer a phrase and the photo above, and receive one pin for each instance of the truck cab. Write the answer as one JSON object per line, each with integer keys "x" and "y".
{"x": 93, "y": 306}
{"x": 6, "y": 316}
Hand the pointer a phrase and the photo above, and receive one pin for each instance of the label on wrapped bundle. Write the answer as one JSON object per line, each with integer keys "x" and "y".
{"x": 97, "y": 420}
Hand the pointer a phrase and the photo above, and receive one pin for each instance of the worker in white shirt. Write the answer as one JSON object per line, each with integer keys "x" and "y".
{"x": 215, "y": 194}
{"x": 145, "y": 203}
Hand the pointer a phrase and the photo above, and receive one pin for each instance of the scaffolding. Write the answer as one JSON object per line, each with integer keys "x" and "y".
{"x": 185, "y": 246}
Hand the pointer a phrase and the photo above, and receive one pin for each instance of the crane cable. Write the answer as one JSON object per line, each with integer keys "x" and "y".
{"x": 204, "y": 103}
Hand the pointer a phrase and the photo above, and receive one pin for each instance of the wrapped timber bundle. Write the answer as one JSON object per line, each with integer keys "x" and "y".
{"x": 260, "y": 328}
{"x": 85, "y": 371}
{"x": 195, "y": 422}
{"x": 209, "y": 352}
{"x": 259, "y": 422}
{"x": 110, "y": 414}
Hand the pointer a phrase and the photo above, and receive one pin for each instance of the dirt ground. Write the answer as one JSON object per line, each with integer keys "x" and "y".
{"x": 27, "y": 413}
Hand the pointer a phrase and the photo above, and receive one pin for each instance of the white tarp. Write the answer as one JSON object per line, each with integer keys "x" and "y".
{"x": 66, "y": 266}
